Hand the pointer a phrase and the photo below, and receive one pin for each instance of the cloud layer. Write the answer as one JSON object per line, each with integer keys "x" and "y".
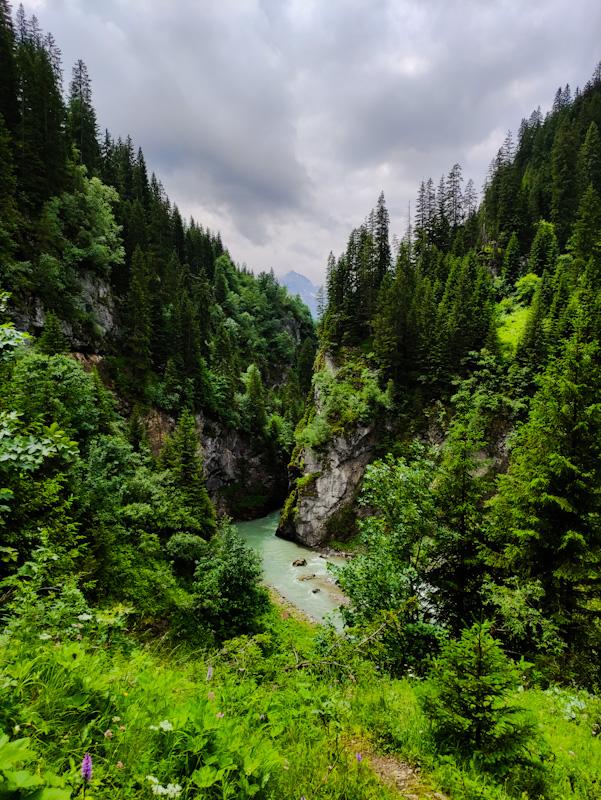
{"x": 278, "y": 122}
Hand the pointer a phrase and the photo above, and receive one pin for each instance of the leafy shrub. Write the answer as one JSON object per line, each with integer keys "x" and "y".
{"x": 227, "y": 588}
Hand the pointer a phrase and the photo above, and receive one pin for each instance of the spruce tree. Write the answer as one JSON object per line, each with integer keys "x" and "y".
{"x": 9, "y": 108}
{"x": 589, "y": 160}
{"x": 512, "y": 261}
{"x": 138, "y": 316}
{"x": 458, "y": 564}
{"x": 52, "y": 341}
{"x": 182, "y": 457}
{"x": 470, "y": 703}
{"x": 82, "y": 128}
{"x": 587, "y": 227}
{"x": 381, "y": 240}
{"x": 548, "y": 508}
{"x": 564, "y": 187}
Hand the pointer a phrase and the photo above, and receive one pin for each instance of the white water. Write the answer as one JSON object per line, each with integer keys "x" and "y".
{"x": 277, "y": 556}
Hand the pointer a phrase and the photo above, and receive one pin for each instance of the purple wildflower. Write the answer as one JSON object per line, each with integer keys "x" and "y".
{"x": 209, "y": 673}
{"x": 359, "y": 758}
{"x": 86, "y": 768}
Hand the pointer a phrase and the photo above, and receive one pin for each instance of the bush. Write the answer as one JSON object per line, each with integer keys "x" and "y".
{"x": 227, "y": 587}
{"x": 469, "y": 702}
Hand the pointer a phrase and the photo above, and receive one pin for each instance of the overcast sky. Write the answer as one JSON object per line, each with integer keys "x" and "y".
{"x": 278, "y": 122}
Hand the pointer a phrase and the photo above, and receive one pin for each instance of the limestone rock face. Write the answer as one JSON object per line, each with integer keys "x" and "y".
{"x": 329, "y": 485}
{"x": 96, "y": 300}
{"x": 242, "y": 481}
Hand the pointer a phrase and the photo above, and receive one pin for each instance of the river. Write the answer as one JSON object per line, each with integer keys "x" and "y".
{"x": 297, "y": 585}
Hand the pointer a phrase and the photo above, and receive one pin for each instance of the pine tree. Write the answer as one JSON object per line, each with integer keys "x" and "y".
{"x": 138, "y": 319}
{"x": 82, "y": 128}
{"x": 52, "y": 341}
{"x": 548, "y": 508}
{"x": 182, "y": 457}
{"x": 512, "y": 260}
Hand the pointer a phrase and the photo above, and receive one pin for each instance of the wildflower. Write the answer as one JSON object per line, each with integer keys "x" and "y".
{"x": 359, "y": 757}
{"x": 211, "y": 696}
{"x": 44, "y": 637}
{"x": 84, "y": 617}
{"x": 220, "y": 715}
{"x": 209, "y": 673}
{"x": 116, "y": 719}
{"x": 108, "y": 734}
{"x": 121, "y": 727}
{"x": 120, "y": 765}
{"x": 16, "y": 729}
{"x": 165, "y": 725}
{"x": 172, "y": 790}
{"x": 86, "y": 768}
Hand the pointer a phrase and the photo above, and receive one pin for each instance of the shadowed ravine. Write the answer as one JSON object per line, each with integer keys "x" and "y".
{"x": 294, "y": 584}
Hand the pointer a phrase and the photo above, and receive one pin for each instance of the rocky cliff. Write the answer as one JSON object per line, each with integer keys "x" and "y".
{"x": 242, "y": 479}
{"x": 342, "y": 428}
{"x": 319, "y": 506}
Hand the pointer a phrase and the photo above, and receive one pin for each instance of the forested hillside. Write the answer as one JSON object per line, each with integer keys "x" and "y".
{"x": 98, "y": 260}
{"x": 471, "y": 362}
{"x": 444, "y": 425}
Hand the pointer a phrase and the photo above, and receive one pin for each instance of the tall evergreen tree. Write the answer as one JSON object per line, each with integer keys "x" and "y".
{"x": 9, "y": 108}
{"x": 181, "y": 455}
{"x": 589, "y": 160}
{"x": 548, "y": 509}
{"x": 511, "y": 260}
{"x": 564, "y": 187}
{"x": 138, "y": 315}
{"x": 82, "y": 128}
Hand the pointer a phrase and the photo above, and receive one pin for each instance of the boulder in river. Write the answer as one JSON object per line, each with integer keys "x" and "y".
{"x": 308, "y": 577}
{"x": 299, "y": 562}
{"x": 314, "y": 591}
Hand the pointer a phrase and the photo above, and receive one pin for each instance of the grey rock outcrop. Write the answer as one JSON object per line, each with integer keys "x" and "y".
{"x": 241, "y": 479}
{"x": 328, "y": 487}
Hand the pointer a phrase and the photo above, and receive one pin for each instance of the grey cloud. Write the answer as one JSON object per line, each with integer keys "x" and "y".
{"x": 279, "y": 121}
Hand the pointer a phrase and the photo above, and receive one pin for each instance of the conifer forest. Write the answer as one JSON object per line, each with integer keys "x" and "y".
{"x": 435, "y": 433}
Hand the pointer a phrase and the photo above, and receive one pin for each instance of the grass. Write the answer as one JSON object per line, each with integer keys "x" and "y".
{"x": 511, "y": 328}
{"x": 264, "y": 717}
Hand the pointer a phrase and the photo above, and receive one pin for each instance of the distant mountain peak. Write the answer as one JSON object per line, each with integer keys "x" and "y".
{"x": 299, "y": 284}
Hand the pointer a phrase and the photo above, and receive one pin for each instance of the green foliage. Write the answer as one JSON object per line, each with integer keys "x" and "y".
{"x": 227, "y": 590}
{"x": 470, "y": 703}
{"x": 52, "y": 342}
{"x": 347, "y": 397}
{"x": 181, "y": 456}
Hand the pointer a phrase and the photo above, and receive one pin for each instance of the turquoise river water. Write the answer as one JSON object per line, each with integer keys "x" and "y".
{"x": 297, "y": 585}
